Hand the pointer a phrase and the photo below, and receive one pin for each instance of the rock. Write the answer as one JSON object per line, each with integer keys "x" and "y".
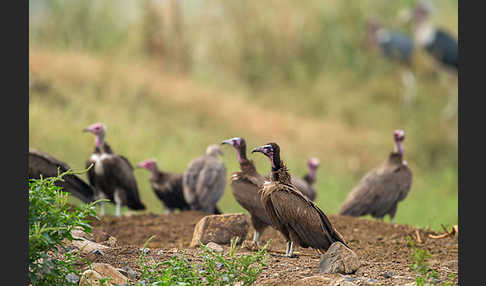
{"x": 88, "y": 246}
{"x": 220, "y": 229}
{"x": 128, "y": 271}
{"x": 313, "y": 280}
{"x": 341, "y": 282}
{"x": 106, "y": 270}
{"x": 111, "y": 242}
{"x": 72, "y": 278}
{"x": 91, "y": 277}
{"x": 388, "y": 274}
{"x": 215, "y": 247}
{"x": 339, "y": 259}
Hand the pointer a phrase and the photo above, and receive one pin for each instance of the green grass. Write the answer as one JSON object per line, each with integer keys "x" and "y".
{"x": 316, "y": 93}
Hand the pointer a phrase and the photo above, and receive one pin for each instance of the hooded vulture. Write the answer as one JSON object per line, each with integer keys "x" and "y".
{"x": 299, "y": 219}
{"x": 45, "y": 164}
{"x": 380, "y": 190}
{"x": 112, "y": 174}
{"x": 245, "y": 185}
{"x": 204, "y": 181}
{"x": 167, "y": 186}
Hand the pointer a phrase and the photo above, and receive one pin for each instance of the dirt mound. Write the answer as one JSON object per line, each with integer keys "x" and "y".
{"x": 382, "y": 247}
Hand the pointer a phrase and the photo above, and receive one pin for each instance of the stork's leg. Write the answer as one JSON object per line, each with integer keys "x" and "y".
{"x": 117, "y": 199}
{"x": 290, "y": 249}
{"x": 408, "y": 80}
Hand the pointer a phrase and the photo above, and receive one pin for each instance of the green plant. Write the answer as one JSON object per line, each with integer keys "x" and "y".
{"x": 51, "y": 221}
{"x": 426, "y": 275}
{"x": 216, "y": 269}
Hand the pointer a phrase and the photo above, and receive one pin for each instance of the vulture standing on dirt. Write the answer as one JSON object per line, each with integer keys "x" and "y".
{"x": 299, "y": 219}
{"x": 167, "y": 186}
{"x": 245, "y": 185}
{"x": 45, "y": 164}
{"x": 112, "y": 174}
{"x": 305, "y": 185}
{"x": 204, "y": 181}
{"x": 380, "y": 190}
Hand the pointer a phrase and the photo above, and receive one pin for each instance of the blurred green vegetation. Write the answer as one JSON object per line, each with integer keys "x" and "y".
{"x": 171, "y": 77}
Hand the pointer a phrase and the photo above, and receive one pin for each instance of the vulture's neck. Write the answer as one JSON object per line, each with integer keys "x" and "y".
{"x": 310, "y": 178}
{"x": 280, "y": 173}
{"x": 247, "y": 166}
{"x": 395, "y": 158}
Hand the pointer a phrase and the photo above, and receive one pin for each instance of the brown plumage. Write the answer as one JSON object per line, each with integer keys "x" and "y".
{"x": 204, "y": 181}
{"x": 45, "y": 164}
{"x": 245, "y": 186}
{"x": 381, "y": 189}
{"x": 299, "y": 219}
{"x": 167, "y": 186}
{"x": 112, "y": 174}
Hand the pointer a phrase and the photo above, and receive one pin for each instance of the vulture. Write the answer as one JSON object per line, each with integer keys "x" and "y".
{"x": 439, "y": 43}
{"x": 380, "y": 190}
{"x": 45, "y": 164}
{"x": 167, "y": 186}
{"x": 204, "y": 181}
{"x": 299, "y": 219}
{"x": 245, "y": 187}
{"x": 305, "y": 184}
{"x": 112, "y": 174}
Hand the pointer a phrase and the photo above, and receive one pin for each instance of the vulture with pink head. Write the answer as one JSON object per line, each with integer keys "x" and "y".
{"x": 245, "y": 186}
{"x": 112, "y": 174}
{"x": 381, "y": 189}
{"x": 299, "y": 219}
{"x": 167, "y": 186}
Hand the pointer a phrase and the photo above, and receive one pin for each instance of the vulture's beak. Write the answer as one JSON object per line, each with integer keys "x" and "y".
{"x": 258, "y": 149}
{"x": 86, "y": 129}
{"x": 229, "y": 142}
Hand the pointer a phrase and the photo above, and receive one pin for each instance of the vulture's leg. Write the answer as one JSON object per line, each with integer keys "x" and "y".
{"x": 256, "y": 237}
{"x": 290, "y": 249}
{"x": 117, "y": 202}
{"x": 102, "y": 208}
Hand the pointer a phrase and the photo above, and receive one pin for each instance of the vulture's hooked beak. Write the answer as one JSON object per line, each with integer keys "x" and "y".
{"x": 258, "y": 149}
{"x": 229, "y": 142}
{"x": 86, "y": 129}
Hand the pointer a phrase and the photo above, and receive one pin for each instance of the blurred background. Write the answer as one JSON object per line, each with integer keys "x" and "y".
{"x": 170, "y": 77}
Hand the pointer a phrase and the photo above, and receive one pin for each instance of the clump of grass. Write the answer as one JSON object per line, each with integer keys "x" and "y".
{"x": 426, "y": 275}
{"x": 216, "y": 268}
{"x": 51, "y": 221}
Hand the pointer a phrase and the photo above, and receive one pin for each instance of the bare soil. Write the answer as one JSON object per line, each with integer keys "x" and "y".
{"x": 382, "y": 247}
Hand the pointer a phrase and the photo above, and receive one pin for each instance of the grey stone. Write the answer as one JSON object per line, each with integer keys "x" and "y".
{"x": 339, "y": 259}
{"x": 220, "y": 229}
{"x": 214, "y": 247}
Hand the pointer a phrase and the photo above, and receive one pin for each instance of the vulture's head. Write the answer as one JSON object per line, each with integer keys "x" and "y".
{"x": 97, "y": 129}
{"x": 148, "y": 164}
{"x": 272, "y": 151}
{"x": 237, "y": 142}
{"x": 214, "y": 150}
{"x": 399, "y": 136}
{"x": 421, "y": 12}
{"x": 313, "y": 164}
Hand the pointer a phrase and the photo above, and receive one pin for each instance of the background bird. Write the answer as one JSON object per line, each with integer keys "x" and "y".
{"x": 47, "y": 165}
{"x": 167, "y": 186}
{"x": 294, "y": 215}
{"x": 204, "y": 181}
{"x": 395, "y": 46}
{"x": 381, "y": 189}
{"x": 306, "y": 183}
{"x": 112, "y": 174}
{"x": 245, "y": 186}
{"x": 438, "y": 42}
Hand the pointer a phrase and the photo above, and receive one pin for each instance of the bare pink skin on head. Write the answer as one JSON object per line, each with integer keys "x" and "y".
{"x": 399, "y": 136}
{"x": 313, "y": 164}
{"x": 148, "y": 164}
{"x": 98, "y": 129}
{"x": 235, "y": 142}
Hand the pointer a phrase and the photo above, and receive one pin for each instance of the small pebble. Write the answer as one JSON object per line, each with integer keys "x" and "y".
{"x": 72, "y": 278}
{"x": 98, "y": 252}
